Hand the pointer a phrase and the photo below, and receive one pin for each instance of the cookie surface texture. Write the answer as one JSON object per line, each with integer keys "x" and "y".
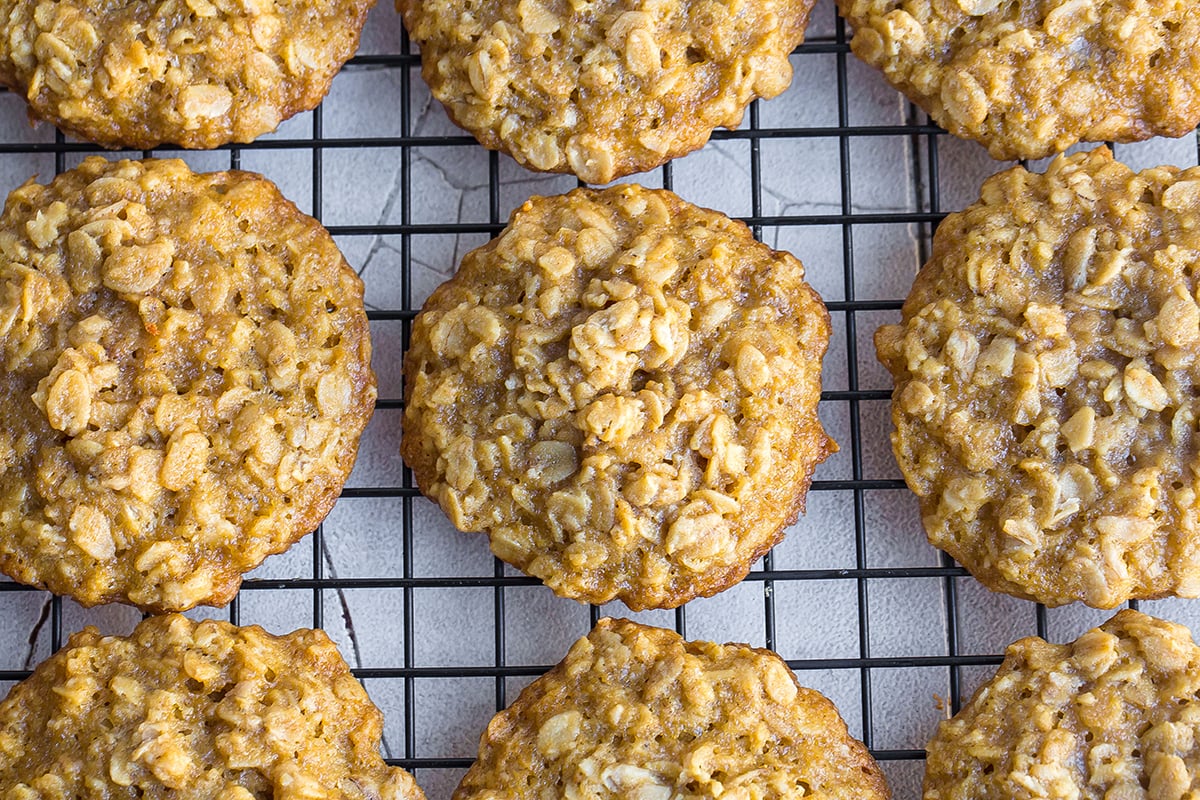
{"x": 1112, "y": 714}
{"x": 186, "y": 372}
{"x": 1045, "y": 403}
{"x": 637, "y": 712}
{"x": 602, "y": 89}
{"x": 195, "y": 711}
{"x": 621, "y": 391}
{"x": 189, "y": 72}
{"x": 1029, "y": 78}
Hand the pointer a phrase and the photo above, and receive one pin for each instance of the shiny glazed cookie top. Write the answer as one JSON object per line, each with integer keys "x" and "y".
{"x": 195, "y": 711}
{"x": 637, "y": 713}
{"x": 1045, "y": 405}
{"x": 185, "y": 377}
{"x": 197, "y": 73}
{"x": 621, "y": 390}
{"x": 602, "y": 88}
{"x": 1112, "y": 715}
{"x": 1029, "y": 78}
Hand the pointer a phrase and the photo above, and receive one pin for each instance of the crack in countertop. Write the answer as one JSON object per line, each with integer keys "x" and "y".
{"x": 348, "y": 620}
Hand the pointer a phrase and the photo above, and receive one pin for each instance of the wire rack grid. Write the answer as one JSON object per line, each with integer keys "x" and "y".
{"x": 839, "y": 170}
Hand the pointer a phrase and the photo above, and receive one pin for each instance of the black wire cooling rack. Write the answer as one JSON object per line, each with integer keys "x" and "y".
{"x": 891, "y": 713}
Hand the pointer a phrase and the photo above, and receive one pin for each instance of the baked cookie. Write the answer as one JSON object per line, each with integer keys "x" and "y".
{"x": 605, "y": 88}
{"x": 189, "y": 72}
{"x": 195, "y": 710}
{"x": 1046, "y": 393}
{"x": 637, "y": 713}
{"x": 1029, "y": 78}
{"x": 186, "y": 372}
{"x": 621, "y": 391}
{"x": 1111, "y": 715}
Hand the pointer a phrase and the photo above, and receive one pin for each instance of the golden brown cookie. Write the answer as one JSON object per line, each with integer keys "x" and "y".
{"x": 1046, "y": 383}
{"x": 189, "y": 72}
{"x": 1029, "y": 78}
{"x": 602, "y": 89}
{"x": 1112, "y": 715}
{"x": 621, "y": 391}
{"x": 195, "y": 711}
{"x": 186, "y": 372}
{"x": 637, "y": 713}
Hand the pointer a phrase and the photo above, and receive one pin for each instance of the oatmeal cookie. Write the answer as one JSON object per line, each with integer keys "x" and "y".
{"x": 1046, "y": 395}
{"x": 605, "y": 88}
{"x": 186, "y": 372}
{"x": 621, "y": 391}
{"x": 1112, "y": 715}
{"x": 1029, "y": 78}
{"x": 195, "y": 711}
{"x": 189, "y": 72}
{"x": 637, "y": 713}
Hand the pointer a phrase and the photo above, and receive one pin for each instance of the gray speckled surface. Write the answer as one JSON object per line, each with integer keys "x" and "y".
{"x": 815, "y": 620}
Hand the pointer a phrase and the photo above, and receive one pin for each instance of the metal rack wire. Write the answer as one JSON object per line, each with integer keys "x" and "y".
{"x": 326, "y": 588}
